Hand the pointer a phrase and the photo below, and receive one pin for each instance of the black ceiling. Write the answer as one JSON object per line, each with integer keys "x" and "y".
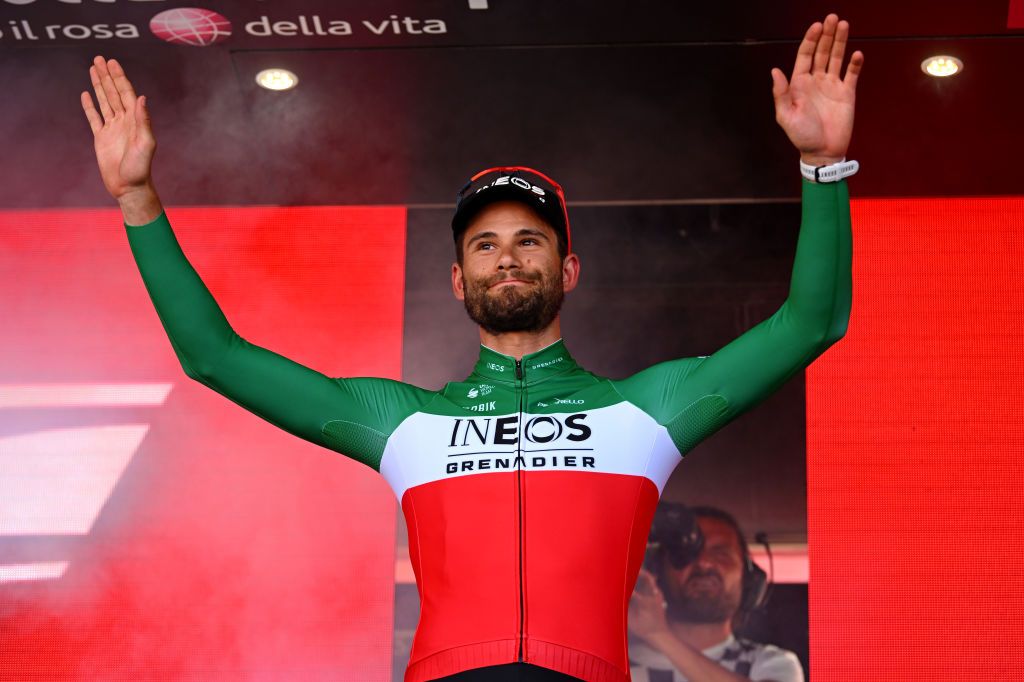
{"x": 640, "y": 101}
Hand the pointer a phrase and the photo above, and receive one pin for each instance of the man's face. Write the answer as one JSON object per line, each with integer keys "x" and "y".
{"x": 511, "y": 277}
{"x": 708, "y": 590}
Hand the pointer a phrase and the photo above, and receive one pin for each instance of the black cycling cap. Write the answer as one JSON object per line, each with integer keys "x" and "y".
{"x": 516, "y": 183}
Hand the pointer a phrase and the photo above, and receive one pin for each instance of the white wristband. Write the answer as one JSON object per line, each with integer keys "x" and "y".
{"x": 830, "y": 173}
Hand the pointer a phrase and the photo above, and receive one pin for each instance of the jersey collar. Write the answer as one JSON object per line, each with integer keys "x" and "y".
{"x": 535, "y": 367}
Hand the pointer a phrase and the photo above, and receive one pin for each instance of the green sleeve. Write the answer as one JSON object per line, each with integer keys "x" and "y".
{"x": 351, "y": 416}
{"x": 694, "y": 397}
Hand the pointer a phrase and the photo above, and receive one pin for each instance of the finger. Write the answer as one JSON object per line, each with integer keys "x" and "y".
{"x": 853, "y": 69}
{"x": 95, "y": 120}
{"x": 652, "y": 585}
{"x": 828, "y": 34}
{"x": 780, "y": 87}
{"x": 642, "y": 601}
{"x": 142, "y": 119}
{"x": 113, "y": 97}
{"x": 805, "y": 53}
{"x": 835, "y": 60}
{"x": 101, "y": 96}
{"x": 641, "y": 586}
{"x": 142, "y": 111}
{"x": 123, "y": 85}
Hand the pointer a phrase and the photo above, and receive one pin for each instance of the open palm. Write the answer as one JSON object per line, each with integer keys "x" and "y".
{"x": 815, "y": 107}
{"x": 122, "y": 135}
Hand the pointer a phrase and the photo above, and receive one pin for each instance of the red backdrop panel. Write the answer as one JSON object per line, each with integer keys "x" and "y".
{"x": 184, "y": 537}
{"x": 1015, "y": 18}
{"x": 914, "y": 448}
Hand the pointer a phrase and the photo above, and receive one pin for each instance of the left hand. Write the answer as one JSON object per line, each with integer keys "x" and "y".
{"x": 647, "y": 608}
{"x": 815, "y": 107}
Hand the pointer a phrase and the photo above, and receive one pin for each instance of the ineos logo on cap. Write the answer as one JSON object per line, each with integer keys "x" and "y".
{"x": 518, "y": 182}
{"x": 536, "y": 186}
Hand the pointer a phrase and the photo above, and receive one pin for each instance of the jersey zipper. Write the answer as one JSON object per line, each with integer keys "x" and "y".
{"x": 519, "y": 487}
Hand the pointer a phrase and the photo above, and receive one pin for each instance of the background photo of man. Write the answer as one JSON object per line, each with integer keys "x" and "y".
{"x": 682, "y": 618}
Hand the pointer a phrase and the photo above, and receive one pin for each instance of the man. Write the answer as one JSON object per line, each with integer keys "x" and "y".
{"x": 515, "y": 582}
{"x": 684, "y": 616}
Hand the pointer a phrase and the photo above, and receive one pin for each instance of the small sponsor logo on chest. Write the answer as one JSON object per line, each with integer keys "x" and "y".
{"x": 482, "y": 389}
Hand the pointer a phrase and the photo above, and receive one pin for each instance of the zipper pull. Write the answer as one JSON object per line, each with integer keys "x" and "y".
{"x": 519, "y": 370}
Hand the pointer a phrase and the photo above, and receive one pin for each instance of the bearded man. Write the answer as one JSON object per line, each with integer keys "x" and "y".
{"x": 684, "y": 615}
{"x": 528, "y": 487}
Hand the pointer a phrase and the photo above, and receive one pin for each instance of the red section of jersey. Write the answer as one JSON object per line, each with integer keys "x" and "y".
{"x": 225, "y": 548}
{"x": 465, "y": 534}
{"x": 914, "y": 450}
{"x": 607, "y": 513}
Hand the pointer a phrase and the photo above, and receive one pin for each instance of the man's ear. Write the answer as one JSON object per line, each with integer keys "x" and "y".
{"x": 570, "y": 272}
{"x": 458, "y": 283}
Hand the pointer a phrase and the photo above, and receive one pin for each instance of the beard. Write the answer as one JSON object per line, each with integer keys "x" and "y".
{"x": 702, "y": 603}
{"x": 514, "y": 308}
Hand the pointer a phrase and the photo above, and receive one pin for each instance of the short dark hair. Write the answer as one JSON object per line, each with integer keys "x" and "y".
{"x": 728, "y": 519}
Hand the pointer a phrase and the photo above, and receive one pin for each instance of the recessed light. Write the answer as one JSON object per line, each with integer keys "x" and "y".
{"x": 277, "y": 79}
{"x": 942, "y": 65}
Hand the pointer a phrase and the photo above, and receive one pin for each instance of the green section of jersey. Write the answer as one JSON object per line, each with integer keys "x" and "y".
{"x": 354, "y": 416}
{"x": 691, "y": 397}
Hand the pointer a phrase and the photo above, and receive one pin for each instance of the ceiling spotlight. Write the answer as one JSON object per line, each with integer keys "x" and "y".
{"x": 942, "y": 65}
{"x": 277, "y": 79}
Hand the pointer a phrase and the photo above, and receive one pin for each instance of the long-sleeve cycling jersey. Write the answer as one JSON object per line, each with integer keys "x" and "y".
{"x": 529, "y": 487}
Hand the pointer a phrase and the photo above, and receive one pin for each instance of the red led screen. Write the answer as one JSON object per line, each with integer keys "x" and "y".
{"x": 152, "y": 529}
{"x": 915, "y": 435}
{"x": 1015, "y": 18}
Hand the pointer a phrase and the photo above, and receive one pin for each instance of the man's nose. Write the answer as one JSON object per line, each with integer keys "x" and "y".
{"x": 704, "y": 561}
{"x": 509, "y": 260}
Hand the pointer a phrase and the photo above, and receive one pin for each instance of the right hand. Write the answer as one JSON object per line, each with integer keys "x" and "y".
{"x": 647, "y": 618}
{"x": 815, "y": 106}
{"x": 123, "y": 137}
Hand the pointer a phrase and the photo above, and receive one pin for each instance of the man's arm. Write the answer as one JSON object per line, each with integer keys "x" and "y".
{"x": 351, "y": 416}
{"x": 694, "y": 397}
{"x": 692, "y": 664}
{"x": 647, "y": 620}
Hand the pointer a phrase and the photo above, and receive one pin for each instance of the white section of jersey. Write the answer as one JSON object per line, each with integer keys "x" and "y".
{"x": 617, "y": 439}
{"x": 753, "y": 660}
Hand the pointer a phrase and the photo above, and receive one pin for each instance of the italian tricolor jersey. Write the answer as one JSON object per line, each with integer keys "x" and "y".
{"x": 529, "y": 488}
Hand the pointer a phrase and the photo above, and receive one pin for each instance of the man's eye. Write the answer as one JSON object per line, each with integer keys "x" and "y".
{"x": 529, "y": 242}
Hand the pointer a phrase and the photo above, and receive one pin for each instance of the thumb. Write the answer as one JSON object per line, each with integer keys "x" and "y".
{"x": 141, "y": 110}
{"x": 780, "y": 86}
{"x": 650, "y": 584}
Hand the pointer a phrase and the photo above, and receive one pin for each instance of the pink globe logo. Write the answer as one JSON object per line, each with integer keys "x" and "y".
{"x": 190, "y": 26}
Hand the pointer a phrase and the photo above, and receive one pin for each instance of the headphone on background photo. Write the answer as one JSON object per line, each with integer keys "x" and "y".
{"x": 676, "y": 535}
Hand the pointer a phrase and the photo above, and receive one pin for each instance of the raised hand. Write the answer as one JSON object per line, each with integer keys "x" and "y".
{"x": 123, "y": 137}
{"x": 646, "y": 618}
{"x": 815, "y": 107}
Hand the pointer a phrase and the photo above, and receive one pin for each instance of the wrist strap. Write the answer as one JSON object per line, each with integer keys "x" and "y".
{"x": 831, "y": 173}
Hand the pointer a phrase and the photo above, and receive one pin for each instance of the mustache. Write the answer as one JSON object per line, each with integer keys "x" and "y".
{"x": 512, "y": 274}
{"x": 704, "y": 574}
